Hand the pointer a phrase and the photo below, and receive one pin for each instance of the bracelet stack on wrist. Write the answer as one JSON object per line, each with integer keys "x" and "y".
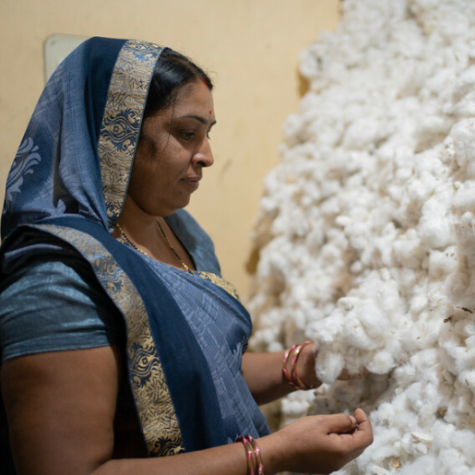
{"x": 253, "y": 454}
{"x": 291, "y": 376}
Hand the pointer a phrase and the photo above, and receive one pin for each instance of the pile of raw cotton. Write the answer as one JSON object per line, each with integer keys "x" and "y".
{"x": 366, "y": 232}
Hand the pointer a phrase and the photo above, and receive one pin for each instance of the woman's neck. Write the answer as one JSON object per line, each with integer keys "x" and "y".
{"x": 140, "y": 231}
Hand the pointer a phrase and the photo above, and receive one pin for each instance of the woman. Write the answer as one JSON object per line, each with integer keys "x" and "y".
{"x": 121, "y": 343}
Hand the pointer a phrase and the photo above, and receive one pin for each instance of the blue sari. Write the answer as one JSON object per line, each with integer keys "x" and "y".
{"x": 66, "y": 190}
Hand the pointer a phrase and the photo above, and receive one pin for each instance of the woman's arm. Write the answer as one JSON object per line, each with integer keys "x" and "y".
{"x": 264, "y": 377}
{"x": 61, "y": 407}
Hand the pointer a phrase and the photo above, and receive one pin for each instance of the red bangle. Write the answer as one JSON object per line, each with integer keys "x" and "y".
{"x": 250, "y": 455}
{"x": 284, "y": 365}
{"x": 292, "y": 376}
{"x": 253, "y": 455}
{"x": 257, "y": 451}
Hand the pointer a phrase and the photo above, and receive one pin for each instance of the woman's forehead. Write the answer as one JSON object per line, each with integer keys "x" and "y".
{"x": 194, "y": 100}
{"x": 195, "y": 95}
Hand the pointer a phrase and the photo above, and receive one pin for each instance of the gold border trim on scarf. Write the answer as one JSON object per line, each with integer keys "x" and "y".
{"x": 122, "y": 120}
{"x": 155, "y": 408}
{"x": 220, "y": 282}
{"x": 214, "y": 278}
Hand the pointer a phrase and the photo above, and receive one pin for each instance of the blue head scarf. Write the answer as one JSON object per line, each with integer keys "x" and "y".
{"x": 82, "y": 136}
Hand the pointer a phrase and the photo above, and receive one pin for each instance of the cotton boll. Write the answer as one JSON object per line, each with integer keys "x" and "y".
{"x": 464, "y": 84}
{"x": 447, "y": 154}
{"x": 293, "y": 128}
{"x": 431, "y": 131}
{"x": 381, "y": 363}
{"x": 425, "y": 358}
{"x": 465, "y": 441}
{"x": 329, "y": 366}
{"x": 452, "y": 461}
{"x": 468, "y": 377}
{"x": 424, "y": 465}
{"x": 405, "y": 375}
{"x": 464, "y": 199}
{"x": 441, "y": 264}
{"x": 296, "y": 404}
{"x": 362, "y": 132}
{"x": 435, "y": 230}
{"x": 373, "y": 321}
{"x": 384, "y": 415}
{"x": 375, "y": 470}
{"x": 412, "y": 447}
{"x": 386, "y": 447}
{"x": 356, "y": 334}
{"x": 465, "y": 108}
{"x": 463, "y": 134}
{"x": 408, "y": 252}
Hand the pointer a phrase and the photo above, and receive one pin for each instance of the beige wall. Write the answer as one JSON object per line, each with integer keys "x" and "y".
{"x": 250, "y": 46}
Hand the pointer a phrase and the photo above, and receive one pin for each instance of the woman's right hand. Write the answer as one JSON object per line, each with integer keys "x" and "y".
{"x": 317, "y": 444}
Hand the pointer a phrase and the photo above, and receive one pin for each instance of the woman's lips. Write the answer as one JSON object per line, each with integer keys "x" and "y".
{"x": 192, "y": 182}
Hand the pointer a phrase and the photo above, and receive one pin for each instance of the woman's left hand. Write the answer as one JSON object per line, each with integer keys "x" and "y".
{"x": 307, "y": 373}
{"x": 306, "y": 367}
{"x": 263, "y": 373}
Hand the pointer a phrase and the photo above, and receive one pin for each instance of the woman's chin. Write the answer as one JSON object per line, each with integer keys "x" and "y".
{"x": 172, "y": 208}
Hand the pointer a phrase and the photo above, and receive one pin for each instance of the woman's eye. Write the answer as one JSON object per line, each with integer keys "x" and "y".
{"x": 187, "y": 135}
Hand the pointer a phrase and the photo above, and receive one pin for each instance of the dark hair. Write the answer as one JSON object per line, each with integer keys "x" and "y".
{"x": 172, "y": 72}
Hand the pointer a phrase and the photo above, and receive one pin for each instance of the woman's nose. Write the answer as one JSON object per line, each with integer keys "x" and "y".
{"x": 204, "y": 156}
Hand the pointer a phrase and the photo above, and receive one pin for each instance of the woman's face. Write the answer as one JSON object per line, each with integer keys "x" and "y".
{"x": 170, "y": 158}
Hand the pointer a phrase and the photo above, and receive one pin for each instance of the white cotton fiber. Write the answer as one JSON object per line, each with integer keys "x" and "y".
{"x": 366, "y": 232}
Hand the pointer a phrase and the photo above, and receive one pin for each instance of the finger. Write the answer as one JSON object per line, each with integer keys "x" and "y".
{"x": 364, "y": 434}
{"x": 363, "y": 420}
{"x": 340, "y": 423}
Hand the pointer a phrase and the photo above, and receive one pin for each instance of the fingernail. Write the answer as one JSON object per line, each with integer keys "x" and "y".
{"x": 353, "y": 420}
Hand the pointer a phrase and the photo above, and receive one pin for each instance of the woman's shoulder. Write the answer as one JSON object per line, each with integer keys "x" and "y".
{"x": 54, "y": 303}
{"x": 47, "y": 272}
{"x": 54, "y": 263}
